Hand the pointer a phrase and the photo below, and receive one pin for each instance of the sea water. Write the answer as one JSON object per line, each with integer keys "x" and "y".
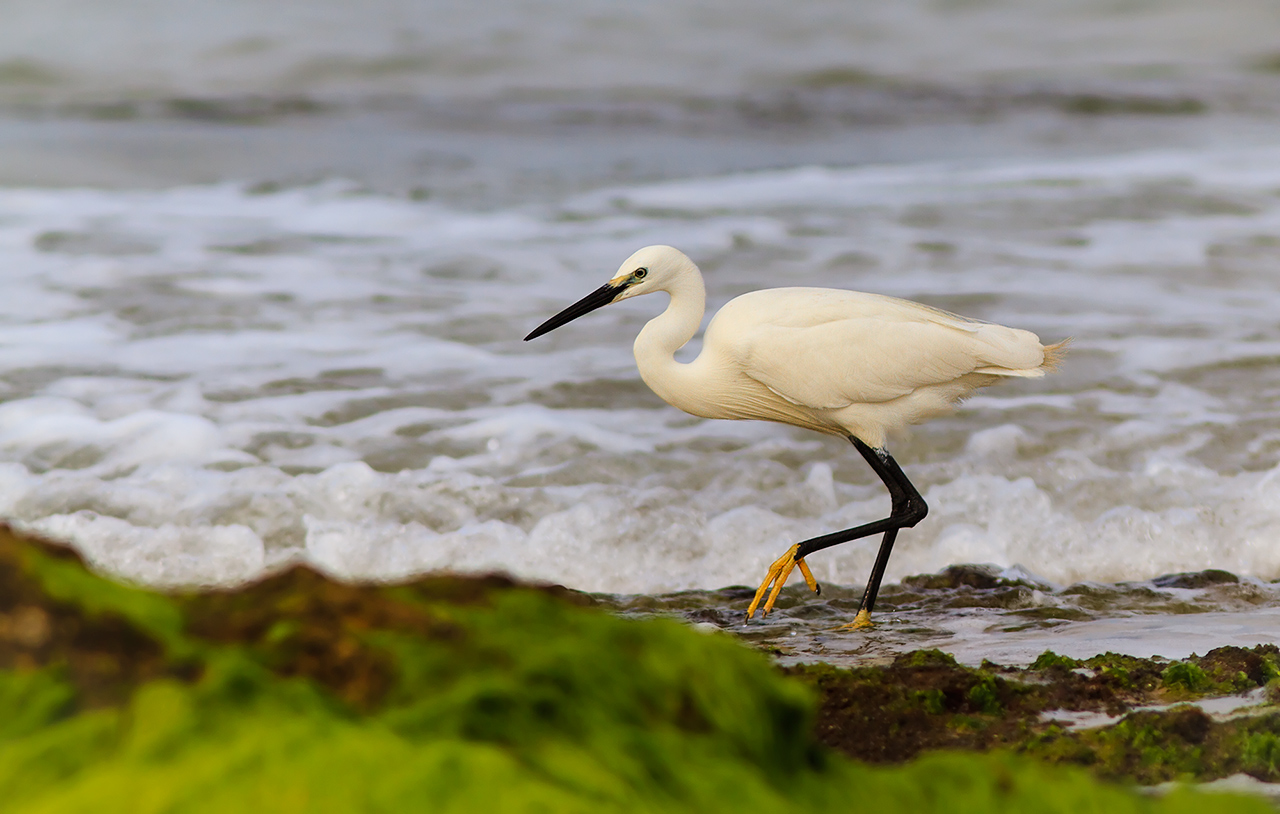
{"x": 267, "y": 271}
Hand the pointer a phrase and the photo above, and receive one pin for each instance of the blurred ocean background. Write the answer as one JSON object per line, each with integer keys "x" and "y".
{"x": 267, "y": 267}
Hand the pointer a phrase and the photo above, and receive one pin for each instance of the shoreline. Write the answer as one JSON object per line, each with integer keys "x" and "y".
{"x": 488, "y": 663}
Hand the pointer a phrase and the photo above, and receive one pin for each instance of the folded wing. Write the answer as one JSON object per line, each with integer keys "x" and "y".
{"x": 828, "y": 349}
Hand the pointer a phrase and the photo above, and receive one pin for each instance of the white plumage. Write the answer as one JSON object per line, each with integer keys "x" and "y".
{"x": 839, "y": 362}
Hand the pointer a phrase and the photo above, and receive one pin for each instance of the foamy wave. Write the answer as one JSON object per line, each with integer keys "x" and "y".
{"x": 323, "y": 374}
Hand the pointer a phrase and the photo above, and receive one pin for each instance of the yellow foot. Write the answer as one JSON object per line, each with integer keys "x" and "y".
{"x": 860, "y": 622}
{"x": 777, "y": 577}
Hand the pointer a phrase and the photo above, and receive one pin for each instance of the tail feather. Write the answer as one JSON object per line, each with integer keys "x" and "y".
{"x": 1053, "y": 354}
{"x": 1024, "y": 373}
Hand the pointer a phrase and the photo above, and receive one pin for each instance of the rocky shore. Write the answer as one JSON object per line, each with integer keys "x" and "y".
{"x": 299, "y": 693}
{"x": 1123, "y": 718}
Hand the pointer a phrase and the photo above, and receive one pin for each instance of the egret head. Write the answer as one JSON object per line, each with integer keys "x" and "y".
{"x": 653, "y": 268}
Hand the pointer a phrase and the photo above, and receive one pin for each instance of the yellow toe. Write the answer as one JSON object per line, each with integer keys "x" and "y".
{"x": 808, "y": 577}
{"x": 860, "y": 622}
{"x": 775, "y": 579}
{"x": 783, "y": 575}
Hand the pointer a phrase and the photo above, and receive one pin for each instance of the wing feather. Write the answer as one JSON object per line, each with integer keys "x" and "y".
{"x": 827, "y": 349}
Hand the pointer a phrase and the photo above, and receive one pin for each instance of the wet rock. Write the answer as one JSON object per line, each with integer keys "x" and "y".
{"x": 925, "y": 700}
{"x": 1240, "y": 667}
{"x": 1190, "y": 724}
{"x": 983, "y": 577}
{"x": 1196, "y": 579}
{"x": 1135, "y": 676}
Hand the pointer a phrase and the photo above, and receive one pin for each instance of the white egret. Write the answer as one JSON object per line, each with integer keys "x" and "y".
{"x": 839, "y": 362}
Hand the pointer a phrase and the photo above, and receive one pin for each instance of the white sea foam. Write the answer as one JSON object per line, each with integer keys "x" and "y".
{"x": 201, "y": 383}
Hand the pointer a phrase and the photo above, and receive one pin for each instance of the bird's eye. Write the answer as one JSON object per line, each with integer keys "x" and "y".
{"x": 640, "y": 274}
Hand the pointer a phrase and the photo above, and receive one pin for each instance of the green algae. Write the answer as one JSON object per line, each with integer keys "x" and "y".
{"x": 1185, "y": 675}
{"x": 1260, "y": 754}
{"x": 303, "y": 694}
{"x": 926, "y": 658}
{"x": 925, "y": 701}
{"x": 984, "y": 695}
{"x": 1049, "y": 660}
{"x": 62, "y": 577}
{"x": 300, "y": 694}
{"x": 1179, "y": 743}
{"x": 1126, "y": 673}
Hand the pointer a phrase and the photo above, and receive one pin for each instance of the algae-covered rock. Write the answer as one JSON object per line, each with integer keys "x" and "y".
{"x": 1142, "y": 729}
{"x": 300, "y": 694}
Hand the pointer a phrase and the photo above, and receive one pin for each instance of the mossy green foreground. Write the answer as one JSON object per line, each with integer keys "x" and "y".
{"x": 300, "y": 694}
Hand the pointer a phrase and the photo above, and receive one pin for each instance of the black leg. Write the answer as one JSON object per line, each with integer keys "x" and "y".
{"x": 907, "y": 509}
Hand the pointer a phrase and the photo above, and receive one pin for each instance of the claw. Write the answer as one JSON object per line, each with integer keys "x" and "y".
{"x": 783, "y": 576}
{"x": 808, "y": 577}
{"x": 776, "y": 578}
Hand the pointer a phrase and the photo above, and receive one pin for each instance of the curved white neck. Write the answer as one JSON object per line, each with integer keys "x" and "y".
{"x": 665, "y": 334}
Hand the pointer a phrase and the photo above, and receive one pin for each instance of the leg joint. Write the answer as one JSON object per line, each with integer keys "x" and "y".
{"x": 911, "y": 511}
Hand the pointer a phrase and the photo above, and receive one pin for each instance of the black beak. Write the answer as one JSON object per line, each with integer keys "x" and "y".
{"x": 599, "y": 298}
